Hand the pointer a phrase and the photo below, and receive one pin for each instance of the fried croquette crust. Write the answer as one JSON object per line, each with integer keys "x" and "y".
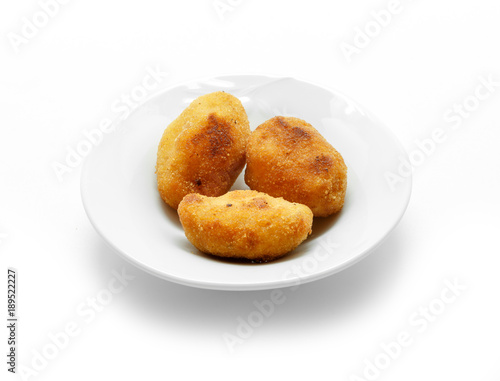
{"x": 244, "y": 224}
{"x": 203, "y": 149}
{"x": 289, "y": 158}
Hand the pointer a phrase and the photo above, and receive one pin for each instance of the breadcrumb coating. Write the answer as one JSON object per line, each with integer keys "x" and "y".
{"x": 244, "y": 224}
{"x": 203, "y": 149}
{"x": 289, "y": 158}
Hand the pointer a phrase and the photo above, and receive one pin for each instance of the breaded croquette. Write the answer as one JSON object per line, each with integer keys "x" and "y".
{"x": 203, "y": 149}
{"x": 244, "y": 224}
{"x": 289, "y": 158}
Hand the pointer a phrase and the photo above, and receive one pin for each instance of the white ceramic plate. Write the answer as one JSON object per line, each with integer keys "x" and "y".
{"x": 120, "y": 196}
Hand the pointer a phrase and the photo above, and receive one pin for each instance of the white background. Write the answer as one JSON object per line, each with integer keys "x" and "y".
{"x": 65, "y": 79}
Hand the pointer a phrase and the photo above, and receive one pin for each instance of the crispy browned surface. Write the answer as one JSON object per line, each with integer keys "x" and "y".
{"x": 203, "y": 150}
{"x": 287, "y": 157}
{"x": 244, "y": 224}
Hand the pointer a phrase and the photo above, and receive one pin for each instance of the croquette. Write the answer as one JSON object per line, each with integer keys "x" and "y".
{"x": 287, "y": 157}
{"x": 203, "y": 149}
{"x": 244, "y": 224}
